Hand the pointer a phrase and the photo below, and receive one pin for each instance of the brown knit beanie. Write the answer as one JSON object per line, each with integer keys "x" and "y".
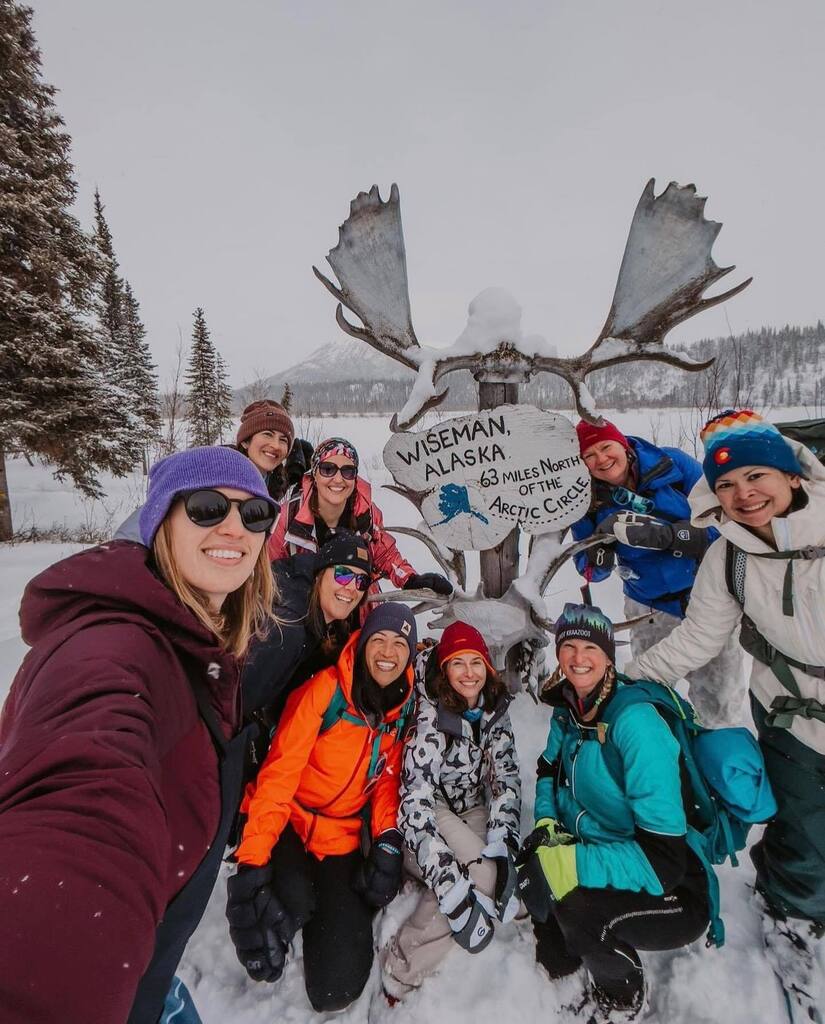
{"x": 265, "y": 415}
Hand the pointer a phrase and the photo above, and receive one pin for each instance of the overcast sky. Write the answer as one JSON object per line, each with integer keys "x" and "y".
{"x": 227, "y": 140}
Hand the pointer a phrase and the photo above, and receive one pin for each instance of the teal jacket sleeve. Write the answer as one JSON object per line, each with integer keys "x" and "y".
{"x": 545, "y": 796}
{"x": 652, "y": 790}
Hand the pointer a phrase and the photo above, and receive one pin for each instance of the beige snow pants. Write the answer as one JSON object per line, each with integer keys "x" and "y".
{"x": 425, "y": 938}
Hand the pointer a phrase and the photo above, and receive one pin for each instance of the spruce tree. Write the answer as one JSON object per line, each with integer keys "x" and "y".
{"x": 142, "y": 371}
{"x": 55, "y": 398}
{"x": 201, "y": 397}
{"x": 223, "y": 398}
{"x": 287, "y": 398}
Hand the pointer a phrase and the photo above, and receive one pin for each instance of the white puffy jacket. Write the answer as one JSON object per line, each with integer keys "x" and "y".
{"x": 713, "y": 613}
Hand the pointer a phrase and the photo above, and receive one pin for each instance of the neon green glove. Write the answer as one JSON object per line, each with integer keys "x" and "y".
{"x": 558, "y": 863}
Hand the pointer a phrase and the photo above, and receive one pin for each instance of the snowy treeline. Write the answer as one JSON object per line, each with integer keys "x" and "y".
{"x": 764, "y": 368}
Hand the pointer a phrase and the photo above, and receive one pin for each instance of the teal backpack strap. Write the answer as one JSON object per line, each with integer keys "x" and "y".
{"x": 337, "y": 711}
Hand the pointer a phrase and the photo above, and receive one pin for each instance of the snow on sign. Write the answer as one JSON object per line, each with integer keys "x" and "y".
{"x": 483, "y": 474}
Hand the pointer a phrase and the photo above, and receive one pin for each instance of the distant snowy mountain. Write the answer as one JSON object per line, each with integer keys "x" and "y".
{"x": 343, "y": 359}
{"x": 762, "y": 368}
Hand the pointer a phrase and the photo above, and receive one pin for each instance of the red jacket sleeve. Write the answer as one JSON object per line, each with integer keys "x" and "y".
{"x": 83, "y": 836}
{"x": 386, "y": 558}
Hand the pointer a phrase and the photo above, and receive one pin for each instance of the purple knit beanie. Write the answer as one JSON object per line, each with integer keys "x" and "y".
{"x": 190, "y": 471}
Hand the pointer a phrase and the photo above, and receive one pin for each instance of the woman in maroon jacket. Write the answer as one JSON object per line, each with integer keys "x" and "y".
{"x": 119, "y": 759}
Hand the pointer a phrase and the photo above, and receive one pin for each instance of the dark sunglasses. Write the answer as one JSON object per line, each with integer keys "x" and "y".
{"x": 208, "y": 507}
{"x": 329, "y": 469}
{"x": 344, "y": 576}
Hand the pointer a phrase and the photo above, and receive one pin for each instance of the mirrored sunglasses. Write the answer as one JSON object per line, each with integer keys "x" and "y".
{"x": 329, "y": 469}
{"x": 208, "y": 507}
{"x": 344, "y": 576}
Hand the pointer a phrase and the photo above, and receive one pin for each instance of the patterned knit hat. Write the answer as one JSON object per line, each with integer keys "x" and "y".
{"x": 334, "y": 446}
{"x": 586, "y": 622}
{"x": 590, "y": 434}
{"x": 192, "y": 470}
{"x": 740, "y": 437}
{"x": 265, "y": 415}
{"x": 459, "y": 638}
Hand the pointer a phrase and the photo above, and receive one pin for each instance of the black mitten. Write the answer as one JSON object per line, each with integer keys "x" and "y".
{"x": 259, "y": 926}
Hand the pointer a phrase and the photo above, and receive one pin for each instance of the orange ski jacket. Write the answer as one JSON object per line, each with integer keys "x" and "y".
{"x": 319, "y": 781}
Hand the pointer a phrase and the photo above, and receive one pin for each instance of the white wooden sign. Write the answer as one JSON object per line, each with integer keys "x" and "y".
{"x": 485, "y": 473}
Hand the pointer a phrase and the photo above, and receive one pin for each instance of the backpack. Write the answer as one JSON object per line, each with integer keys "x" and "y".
{"x": 811, "y": 433}
{"x": 337, "y": 711}
{"x": 725, "y": 783}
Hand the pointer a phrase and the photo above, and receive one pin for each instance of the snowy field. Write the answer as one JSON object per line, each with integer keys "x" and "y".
{"x": 733, "y": 985}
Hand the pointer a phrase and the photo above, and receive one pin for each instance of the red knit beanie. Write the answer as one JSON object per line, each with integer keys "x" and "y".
{"x": 459, "y": 638}
{"x": 265, "y": 415}
{"x": 589, "y": 434}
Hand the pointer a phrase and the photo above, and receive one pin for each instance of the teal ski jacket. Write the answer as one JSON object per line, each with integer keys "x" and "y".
{"x": 631, "y": 837}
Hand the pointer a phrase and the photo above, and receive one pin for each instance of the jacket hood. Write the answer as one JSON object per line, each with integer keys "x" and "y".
{"x": 345, "y": 669}
{"x": 113, "y": 583}
{"x": 806, "y": 525}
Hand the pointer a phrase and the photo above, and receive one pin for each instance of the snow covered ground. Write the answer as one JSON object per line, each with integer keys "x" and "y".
{"x": 703, "y": 985}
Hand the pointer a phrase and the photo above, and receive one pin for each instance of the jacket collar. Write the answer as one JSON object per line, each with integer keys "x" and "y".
{"x": 453, "y": 724}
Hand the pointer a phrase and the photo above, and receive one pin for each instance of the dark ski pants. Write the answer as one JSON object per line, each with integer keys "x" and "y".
{"x": 338, "y": 947}
{"x": 603, "y": 928}
{"x": 790, "y": 856}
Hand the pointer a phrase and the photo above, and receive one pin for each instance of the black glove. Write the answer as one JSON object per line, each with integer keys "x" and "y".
{"x": 429, "y": 580}
{"x": 298, "y": 460}
{"x": 688, "y": 541}
{"x": 379, "y": 878}
{"x": 259, "y": 926}
{"x": 601, "y": 556}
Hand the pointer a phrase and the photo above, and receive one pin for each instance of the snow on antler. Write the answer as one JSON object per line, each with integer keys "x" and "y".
{"x": 666, "y": 268}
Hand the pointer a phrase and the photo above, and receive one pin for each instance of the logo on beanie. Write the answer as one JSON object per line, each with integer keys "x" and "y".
{"x": 405, "y": 628}
{"x": 722, "y": 456}
{"x": 362, "y": 553}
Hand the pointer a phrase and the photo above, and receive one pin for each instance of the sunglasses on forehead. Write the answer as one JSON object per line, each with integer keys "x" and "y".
{"x": 208, "y": 507}
{"x": 329, "y": 469}
{"x": 344, "y": 576}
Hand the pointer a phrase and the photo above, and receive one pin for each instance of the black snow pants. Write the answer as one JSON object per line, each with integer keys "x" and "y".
{"x": 790, "y": 856}
{"x": 338, "y": 946}
{"x": 603, "y": 928}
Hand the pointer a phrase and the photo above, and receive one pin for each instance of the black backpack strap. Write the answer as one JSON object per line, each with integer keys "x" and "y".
{"x": 207, "y": 712}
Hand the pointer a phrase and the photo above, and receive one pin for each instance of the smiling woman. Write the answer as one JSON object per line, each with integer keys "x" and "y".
{"x": 460, "y": 810}
{"x": 331, "y": 774}
{"x": 119, "y": 745}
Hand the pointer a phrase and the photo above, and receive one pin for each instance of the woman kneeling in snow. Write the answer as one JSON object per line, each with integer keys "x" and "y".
{"x": 460, "y": 810}
{"x": 607, "y": 869}
{"x": 334, "y": 767}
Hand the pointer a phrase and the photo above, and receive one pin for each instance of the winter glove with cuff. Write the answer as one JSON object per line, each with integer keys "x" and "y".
{"x": 378, "y": 879}
{"x": 639, "y": 531}
{"x": 548, "y": 832}
{"x": 259, "y": 926}
{"x": 547, "y": 875}
{"x": 501, "y": 849}
{"x": 470, "y": 915}
{"x": 429, "y": 581}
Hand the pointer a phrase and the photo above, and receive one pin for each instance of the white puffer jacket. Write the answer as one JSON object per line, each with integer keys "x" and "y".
{"x": 713, "y": 613}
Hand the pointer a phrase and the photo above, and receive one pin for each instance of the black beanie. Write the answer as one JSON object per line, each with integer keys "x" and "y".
{"x": 393, "y": 616}
{"x": 586, "y": 622}
{"x": 344, "y": 547}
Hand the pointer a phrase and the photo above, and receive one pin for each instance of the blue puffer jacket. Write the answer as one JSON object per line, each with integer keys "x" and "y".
{"x": 578, "y": 791}
{"x": 655, "y": 578}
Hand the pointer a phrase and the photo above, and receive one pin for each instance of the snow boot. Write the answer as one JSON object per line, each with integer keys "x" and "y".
{"x": 792, "y": 947}
{"x": 613, "y": 1007}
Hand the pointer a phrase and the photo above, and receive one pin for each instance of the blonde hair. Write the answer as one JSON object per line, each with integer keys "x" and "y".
{"x": 246, "y": 613}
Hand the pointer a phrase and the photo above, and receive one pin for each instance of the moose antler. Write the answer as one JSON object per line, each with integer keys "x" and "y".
{"x": 666, "y": 269}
